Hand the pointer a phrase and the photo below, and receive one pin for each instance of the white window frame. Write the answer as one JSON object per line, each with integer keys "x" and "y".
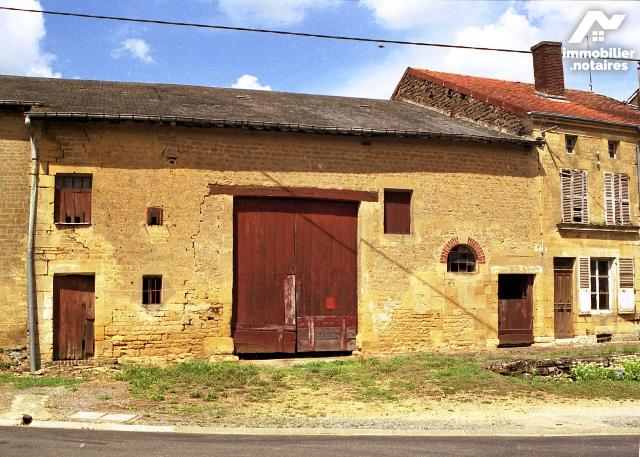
{"x": 610, "y": 285}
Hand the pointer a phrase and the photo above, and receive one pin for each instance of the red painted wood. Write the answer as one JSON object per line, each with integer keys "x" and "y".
{"x": 326, "y": 273}
{"x": 295, "y": 265}
{"x": 397, "y": 212}
{"x": 73, "y": 317}
{"x": 515, "y": 309}
{"x": 263, "y": 262}
{"x": 294, "y": 192}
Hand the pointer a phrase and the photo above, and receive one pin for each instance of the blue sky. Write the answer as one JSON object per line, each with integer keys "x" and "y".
{"x": 89, "y": 49}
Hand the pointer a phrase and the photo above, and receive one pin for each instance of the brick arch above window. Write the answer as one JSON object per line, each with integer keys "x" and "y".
{"x": 471, "y": 242}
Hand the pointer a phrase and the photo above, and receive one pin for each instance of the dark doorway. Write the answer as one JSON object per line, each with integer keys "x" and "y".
{"x": 73, "y": 317}
{"x": 515, "y": 309}
{"x": 563, "y": 297}
{"x": 295, "y": 265}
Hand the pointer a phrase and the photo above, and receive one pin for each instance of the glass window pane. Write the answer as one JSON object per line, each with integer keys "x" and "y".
{"x": 594, "y": 266}
{"x": 594, "y": 301}
{"x": 603, "y": 267}
{"x": 603, "y": 284}
{"x": 604, "y": 301}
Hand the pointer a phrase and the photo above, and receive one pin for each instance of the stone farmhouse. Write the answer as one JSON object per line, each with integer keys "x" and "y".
{"x": 156, "y": 222}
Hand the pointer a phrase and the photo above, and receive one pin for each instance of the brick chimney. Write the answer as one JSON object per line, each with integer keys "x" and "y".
{"x": 547, "y": 68}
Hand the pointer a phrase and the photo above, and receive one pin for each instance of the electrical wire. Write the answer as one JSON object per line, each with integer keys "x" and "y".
{"x": 247, "y": 29}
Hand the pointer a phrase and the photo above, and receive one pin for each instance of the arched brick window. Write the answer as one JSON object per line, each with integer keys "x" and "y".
{"x": 461, "y": 259}
{"x": 472, "y": 247}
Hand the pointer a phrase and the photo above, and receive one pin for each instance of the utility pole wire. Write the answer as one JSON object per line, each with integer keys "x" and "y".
{"x": 247, "y": 29}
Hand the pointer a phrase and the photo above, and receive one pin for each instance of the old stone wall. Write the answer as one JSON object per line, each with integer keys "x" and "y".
{"x": 15, "y": 159}
{"x": 407, "y": 300}
{"x": 455, "y": 103}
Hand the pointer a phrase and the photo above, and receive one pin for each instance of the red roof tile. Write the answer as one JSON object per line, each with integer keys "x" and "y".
{"x": 521, "y": 98}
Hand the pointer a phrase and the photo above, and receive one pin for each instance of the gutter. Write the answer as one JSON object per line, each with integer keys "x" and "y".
{"x": 34, "y": 359}
{"x": 280, "y": 126}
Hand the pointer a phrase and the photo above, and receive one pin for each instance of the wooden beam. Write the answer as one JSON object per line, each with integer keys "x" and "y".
{"x": 294, "y": 192}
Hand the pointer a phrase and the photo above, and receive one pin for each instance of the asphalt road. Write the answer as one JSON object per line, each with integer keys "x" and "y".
{"x": 27, "y": 442}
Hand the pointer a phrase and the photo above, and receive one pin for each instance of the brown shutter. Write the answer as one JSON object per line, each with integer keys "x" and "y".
{"x": 397, "y": 212}
{"x": 566, "y": 196}
{"x": 625, "y": 203}
{"x": 609, "y": 209}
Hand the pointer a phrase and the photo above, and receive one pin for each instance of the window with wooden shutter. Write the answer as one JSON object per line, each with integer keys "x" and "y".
{"x": 154, "y": 216}
{"x": 72, "y": 202}
{"x": 626, "y": 289}
{"x": 397, "y": 211}
{"x": 584, "y": 290}
{"x": 617, "y": 204}
{"x": 573, "y": 194}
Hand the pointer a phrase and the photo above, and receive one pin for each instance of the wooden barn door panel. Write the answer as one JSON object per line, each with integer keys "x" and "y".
{"x": 563, "y": 298}
{"x": 263, "y": 268}
{"x": 515, "y": 309}
{"x": 326, "y": 275}
{"x": 73, "y": 319}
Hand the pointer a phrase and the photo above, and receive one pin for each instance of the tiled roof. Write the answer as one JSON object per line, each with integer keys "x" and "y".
{"x": 68, "y": 98}
{"x": 521, "y": 98}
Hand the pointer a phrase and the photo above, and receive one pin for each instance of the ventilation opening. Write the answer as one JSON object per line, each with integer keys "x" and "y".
{"x": 603, "y": 338}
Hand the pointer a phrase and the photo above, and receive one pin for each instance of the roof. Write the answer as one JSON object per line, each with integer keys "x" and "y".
{"x": 69, "y": 98}
{"x": 521, "y": 98}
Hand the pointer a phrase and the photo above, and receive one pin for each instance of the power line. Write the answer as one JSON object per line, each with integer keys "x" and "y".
{"x": 247, "y": 29}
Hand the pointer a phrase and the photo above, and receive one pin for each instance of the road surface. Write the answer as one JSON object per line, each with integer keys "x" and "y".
{"x": 42, "y": 442}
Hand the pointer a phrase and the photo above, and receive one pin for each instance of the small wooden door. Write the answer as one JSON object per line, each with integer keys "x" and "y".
{"x": 73, "y": 317}
{"x": 563, "y": 297}
{"x": 295, "y": 286}
{"x": 515, "y": 309}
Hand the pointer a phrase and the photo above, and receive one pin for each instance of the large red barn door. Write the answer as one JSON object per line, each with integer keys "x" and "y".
{"x": 326, "y": 266}
{"x": 295, "y": 275}
{"x": 264, "y": 314}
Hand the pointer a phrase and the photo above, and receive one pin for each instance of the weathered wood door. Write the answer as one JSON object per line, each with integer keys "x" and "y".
{"x": 73, "y": 317}
{"x": 295, "y": 275}
{"x": 326, "y": 267}
{"x": 515, "y": 309}
{"x": 563, "y": 297}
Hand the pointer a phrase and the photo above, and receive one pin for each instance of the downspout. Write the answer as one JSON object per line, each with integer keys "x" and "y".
{"x": 34, "y": 361}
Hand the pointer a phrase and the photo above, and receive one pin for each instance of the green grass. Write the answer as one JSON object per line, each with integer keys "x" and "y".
{"x": 376, "y": 379}
{"x": 27, "y": 382}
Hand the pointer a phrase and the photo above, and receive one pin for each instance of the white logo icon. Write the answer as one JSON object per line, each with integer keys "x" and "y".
{"x": 592, "y": 18}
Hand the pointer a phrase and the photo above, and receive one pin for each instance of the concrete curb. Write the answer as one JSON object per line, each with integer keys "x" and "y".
{"x": 302, "y": 431}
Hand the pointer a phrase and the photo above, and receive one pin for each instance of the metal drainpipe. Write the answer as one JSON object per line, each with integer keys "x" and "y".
{"x": 34, "y": 361}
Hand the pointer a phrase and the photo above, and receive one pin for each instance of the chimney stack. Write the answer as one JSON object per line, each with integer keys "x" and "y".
{"x": 547, "y": 68}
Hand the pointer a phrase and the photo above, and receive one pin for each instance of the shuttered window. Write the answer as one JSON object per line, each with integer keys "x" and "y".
{"x": 626, "y": 290}
{"x": 72, "y": 204}
{"x": 397, "y": 211}
{"x": 573, "y": 193}
{"x": 600, "y": 284}
{"x": 617, "y": 204}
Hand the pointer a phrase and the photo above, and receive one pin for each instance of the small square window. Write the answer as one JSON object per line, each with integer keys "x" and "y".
{"x": 570, "y": 143}
{"x": 397, "y": 211}
{"x": 154, "y": 216}
{"x": 151, "y": 290}
{"x": 613, "y": 149}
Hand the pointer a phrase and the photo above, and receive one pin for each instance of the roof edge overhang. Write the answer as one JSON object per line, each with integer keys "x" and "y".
{"x": 486, "y": 98}
{"x": 565, "y": 117}
{"x": 280, "y": 126}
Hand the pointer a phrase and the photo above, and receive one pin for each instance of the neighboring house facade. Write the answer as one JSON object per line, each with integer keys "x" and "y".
{"x": 589, "y": 189}
{"x": 176, "y": 222}
{"x": 634, "y": 100}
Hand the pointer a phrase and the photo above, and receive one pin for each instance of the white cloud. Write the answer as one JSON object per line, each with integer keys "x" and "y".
{"x": 271, "y": 12}
{"x": 249, "y": 82}
{"x": 21, "y": 35}
{"x": 515, "y": 25}
{"x": 134, "y": 47}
